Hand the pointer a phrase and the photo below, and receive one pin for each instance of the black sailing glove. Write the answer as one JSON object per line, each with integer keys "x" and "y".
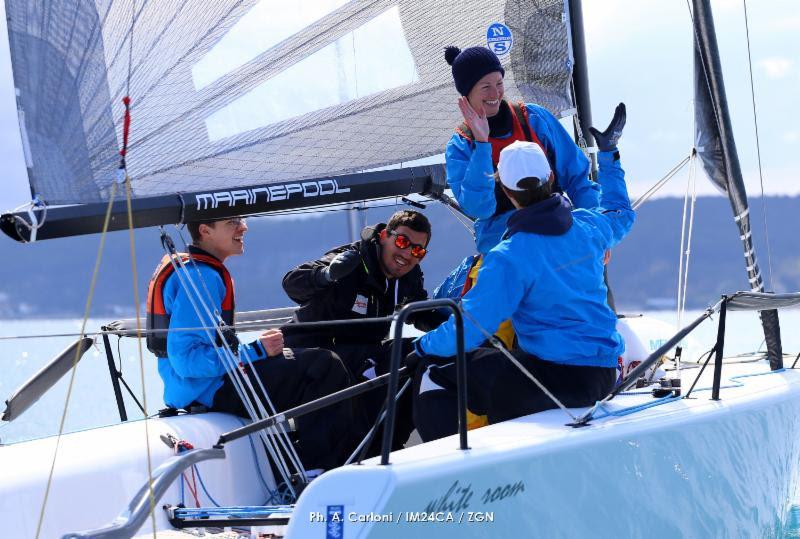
{"x": 411, "y": 361}
{"x": 341, "y": 266}
{"x": 607, "y": 140}
{"x": 229, "y": 334}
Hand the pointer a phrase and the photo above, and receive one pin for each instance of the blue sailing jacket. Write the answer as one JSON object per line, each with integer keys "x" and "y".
{"x": 193, "y": 370}
{"x": 470, "y": 174}
{"x": 547, "y": 277}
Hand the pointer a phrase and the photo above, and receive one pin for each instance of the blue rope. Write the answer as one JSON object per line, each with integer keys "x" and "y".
{"x": 634, "y": 409}
{"x": 203, "y": 486}
{"x": 272, "y": 493}
{"x": 246, "y": 511}
{"x": 670, "y": 398}
{"x": 236, "y": 509}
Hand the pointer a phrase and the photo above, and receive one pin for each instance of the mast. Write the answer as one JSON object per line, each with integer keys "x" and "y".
{"x": 717, "y": 149}
{"x": 583, "y": 103}
{"x": 580, "y": 80}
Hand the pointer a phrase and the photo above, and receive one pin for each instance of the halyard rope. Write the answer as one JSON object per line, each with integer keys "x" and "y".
{"x": 87, "y": 310}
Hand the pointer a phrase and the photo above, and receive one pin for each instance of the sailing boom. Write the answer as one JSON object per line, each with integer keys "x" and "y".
{"x": 256, "y": 199}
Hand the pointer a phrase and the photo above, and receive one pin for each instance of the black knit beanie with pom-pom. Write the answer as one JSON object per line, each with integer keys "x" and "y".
{"x": 470, "y": 65}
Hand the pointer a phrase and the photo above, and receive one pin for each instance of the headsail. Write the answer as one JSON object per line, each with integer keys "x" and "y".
{"x": 717, "y": 149}
{"x": 235, "y": 93}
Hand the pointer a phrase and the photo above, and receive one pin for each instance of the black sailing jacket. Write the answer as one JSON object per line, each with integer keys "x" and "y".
{"x": 365, "y": 293}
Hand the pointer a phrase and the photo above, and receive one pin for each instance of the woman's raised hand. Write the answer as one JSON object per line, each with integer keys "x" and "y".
{"x": 476, "y": 120}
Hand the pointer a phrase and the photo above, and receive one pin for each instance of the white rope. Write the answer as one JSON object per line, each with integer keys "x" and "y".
{"x": 687, "y": 232}
{"x": 36, "y": 223}
{"x": 229, "y": 362}
{"x": 256, "y": 408}
{"x": 493, "y": 340}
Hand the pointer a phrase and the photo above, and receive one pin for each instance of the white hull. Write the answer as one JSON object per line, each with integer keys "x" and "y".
{"x": 98, "y": 472}
{"x": 690, "y": 468}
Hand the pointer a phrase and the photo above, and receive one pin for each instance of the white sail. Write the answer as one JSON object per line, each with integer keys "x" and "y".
{"x": 236, "y": 93}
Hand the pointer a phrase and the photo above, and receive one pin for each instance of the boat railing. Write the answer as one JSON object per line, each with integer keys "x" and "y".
{"x": 394, "y": 380}
{"x": 766, "y": 304}
{"x": 145, "y": 500}
{"x": 141, "y": 505}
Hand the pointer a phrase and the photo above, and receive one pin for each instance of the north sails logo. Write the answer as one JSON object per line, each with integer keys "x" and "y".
{"x": 270, "y": 193}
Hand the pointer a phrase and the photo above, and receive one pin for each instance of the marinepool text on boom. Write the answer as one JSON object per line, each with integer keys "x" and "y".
{"x": 270, "y": 193}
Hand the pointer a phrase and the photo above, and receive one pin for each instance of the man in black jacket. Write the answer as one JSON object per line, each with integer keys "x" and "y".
{"x": 370, "y": 278}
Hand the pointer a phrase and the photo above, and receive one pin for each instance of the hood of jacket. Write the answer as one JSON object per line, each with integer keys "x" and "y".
{"x": 550, "y": 217}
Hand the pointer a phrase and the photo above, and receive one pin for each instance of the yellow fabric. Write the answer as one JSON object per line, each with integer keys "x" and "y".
{"x": 505, "y": 333}
{"x": 476, "y": 421}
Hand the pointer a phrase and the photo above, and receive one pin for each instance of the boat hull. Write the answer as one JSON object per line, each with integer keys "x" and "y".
{"x": 98, "y": 472}
{"x": 688, "y": 468}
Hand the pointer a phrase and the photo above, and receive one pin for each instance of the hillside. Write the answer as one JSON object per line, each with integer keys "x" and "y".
{"x": 51, "y": 279}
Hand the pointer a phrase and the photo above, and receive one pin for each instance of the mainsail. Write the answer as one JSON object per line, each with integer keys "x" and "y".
{"x": 237, "y": 93}
{"x": 717, "y": 150}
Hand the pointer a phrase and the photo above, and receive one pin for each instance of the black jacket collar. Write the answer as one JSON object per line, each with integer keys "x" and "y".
{"x": 500, "y": 125}
{"x": 194, "y": 250}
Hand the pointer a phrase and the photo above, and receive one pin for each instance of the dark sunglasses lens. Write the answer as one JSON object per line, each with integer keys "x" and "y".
{"x": 418, "y": 251}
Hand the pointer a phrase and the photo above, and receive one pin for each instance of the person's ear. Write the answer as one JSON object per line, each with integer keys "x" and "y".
{"x": 383, "y": 234}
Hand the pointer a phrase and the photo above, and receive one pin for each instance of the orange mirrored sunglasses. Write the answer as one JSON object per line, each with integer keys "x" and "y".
{"x": 402, "y": 241}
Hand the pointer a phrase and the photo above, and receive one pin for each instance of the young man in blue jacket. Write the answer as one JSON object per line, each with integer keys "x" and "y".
{"x": 196, "y": 369}
{"x": 546, "y": 275}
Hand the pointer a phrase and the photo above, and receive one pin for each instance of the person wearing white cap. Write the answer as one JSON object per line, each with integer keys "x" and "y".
{"x": 491, "y": 123}
{"x": 546, "y": 275}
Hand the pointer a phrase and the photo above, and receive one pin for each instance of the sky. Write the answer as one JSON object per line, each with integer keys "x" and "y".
{"x": 639, "y": 52}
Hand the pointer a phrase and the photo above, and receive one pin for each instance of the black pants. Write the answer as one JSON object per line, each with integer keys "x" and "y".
{"x": 358, "y": 358}
{"x": 497, "y": 388}
{"x": 323, "y": 438}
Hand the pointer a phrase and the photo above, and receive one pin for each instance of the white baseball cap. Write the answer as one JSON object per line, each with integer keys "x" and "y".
{"x": 520, "y": 160}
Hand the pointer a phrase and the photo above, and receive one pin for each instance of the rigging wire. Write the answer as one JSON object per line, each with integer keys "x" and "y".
{"x": 466, "y": 223}
{"x": 685, "y": 251}
{"x": 496, "y": 343}
{"x": 661, "y": 183}
{"x": 278, "y": 430}
{"x": 124, "y": 333}
{"x": 227, "y": 358}
{"x": 71, "y": 384}
{"x": 125, "y": 177}
{"x": 758, "y": 146}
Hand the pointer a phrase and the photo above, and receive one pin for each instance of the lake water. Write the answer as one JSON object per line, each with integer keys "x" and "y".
{"x": 92, "y": 401}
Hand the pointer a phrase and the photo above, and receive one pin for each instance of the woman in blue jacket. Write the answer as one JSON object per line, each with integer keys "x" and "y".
{"x": 490, "y": 124}
{"x": 546, "y": 275}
